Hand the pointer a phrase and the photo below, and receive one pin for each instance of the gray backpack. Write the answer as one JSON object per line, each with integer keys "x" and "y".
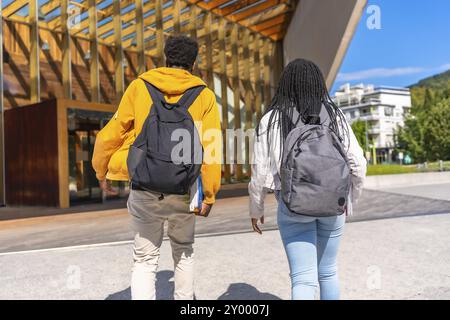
{"x": 315, "y": 175}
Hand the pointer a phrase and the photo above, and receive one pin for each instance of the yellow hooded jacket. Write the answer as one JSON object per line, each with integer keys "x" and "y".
{"x": 114, "y": 140}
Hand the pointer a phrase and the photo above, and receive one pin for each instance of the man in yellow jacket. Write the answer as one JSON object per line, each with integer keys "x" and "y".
{"x": 149, "y": 210}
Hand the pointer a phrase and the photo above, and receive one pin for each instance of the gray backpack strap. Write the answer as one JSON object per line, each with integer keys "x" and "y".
{"x": 297, "y": 132}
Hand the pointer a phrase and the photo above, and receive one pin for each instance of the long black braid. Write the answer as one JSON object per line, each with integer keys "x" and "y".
{"x": 302, "y": 86}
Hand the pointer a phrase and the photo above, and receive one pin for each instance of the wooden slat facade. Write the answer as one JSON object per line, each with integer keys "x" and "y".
{"x": 50, "y": 53}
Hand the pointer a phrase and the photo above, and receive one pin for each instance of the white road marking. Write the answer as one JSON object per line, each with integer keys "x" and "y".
{"x": 118, "y": 243}
{"x": 83, "y": 246}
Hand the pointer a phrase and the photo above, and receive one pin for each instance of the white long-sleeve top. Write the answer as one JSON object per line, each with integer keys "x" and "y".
{"x": 266, "y": 169}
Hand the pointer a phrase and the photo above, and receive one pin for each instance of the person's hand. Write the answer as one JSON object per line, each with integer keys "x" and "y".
{"x": 255, "y": 224}
{"x": 204, "y": 212}
{"x": 106, "y": 187}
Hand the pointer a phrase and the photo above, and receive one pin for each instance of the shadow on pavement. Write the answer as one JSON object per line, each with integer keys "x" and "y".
{"x": 164, "y": 288}
{"x": 243, "y": 291}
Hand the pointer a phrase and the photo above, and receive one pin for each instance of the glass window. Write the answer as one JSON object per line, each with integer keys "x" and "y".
{"x": 388, "y": 111}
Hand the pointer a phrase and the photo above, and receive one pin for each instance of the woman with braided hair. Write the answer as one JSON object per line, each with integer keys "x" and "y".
{"x": 311, "y": 241}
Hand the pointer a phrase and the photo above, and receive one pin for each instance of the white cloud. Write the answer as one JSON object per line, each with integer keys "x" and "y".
{"x": 444, "y": 67}
{"x": 377, "y": 73}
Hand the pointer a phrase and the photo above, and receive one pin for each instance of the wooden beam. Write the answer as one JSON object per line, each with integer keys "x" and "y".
{"x": 13, "y": 7}
{"x": 150, "y": 20}
{"x": 278, "y": 36}
{"x": 66, "y": 51}
{"x": 270, "y": 23}
{"x": 129, "y": 18}
{"x": 35, "y": 94}
{"x": 209, "y": 51}
{"x": 2, "y": 126}
{"x": 254, "y": 10}
{"x": 159, "y": 33}
{"x": 257, "y": 76}
{"x": 84, "y": 24}
{"x": 140, "y": 36}
{"x": 193, "y": 21}
{"x": 118, "y": 59}
{"x": 93, "y": 49}
{"x": 224, "y": 95}
{"x": 50, "y": 6}
{"x": 63, "y": 154}
{"x": 238, "y": 5}
{"x": 266, "y": 15}
{"x": 214, "y": 4}
{"x": 266, "y": 55}
{"x": 176, "y": 16}
{"x": 236, "y": 94}
{"x": 245, "y": 44}
{"x": 273, "y": 30}
{"x": 200, "y": 32}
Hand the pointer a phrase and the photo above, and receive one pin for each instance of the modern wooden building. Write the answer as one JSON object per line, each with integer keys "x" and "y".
{"x": 64, "y": 66}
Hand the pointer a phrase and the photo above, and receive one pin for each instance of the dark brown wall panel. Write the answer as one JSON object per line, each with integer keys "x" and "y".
{"x": 31, "y": 151}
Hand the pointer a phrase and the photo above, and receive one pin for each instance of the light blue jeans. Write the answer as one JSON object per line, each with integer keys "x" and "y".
{"x": 311, "y": 246}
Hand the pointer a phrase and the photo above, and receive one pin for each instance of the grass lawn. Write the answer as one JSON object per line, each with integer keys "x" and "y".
{"x": 380, "y": 169}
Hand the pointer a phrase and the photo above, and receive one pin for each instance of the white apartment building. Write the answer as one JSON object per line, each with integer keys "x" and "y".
{"x": 382, "y": 108}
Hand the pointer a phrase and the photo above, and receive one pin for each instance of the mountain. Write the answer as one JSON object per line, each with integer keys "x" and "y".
{"x": 438, "y": 86}
{"x": 438, "y": 81}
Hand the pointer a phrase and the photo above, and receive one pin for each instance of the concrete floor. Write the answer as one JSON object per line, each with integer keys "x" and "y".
{"x": 401, "y": 258}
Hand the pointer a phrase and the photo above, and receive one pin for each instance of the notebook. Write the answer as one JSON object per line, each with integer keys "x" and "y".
{"x": 196, "y": 196}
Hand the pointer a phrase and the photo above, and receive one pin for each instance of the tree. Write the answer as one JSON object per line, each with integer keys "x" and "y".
{"x": 359, "y": 129}
{"x": 426, "y": 134}
{"x": 437, "y": 131}
{"x": 429, "y": 100}
{"x": 447, "y": 91}
{"x": 410, "y": 138}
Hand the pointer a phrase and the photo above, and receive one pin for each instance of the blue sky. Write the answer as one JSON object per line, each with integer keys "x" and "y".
{"x": 413, "y": 43}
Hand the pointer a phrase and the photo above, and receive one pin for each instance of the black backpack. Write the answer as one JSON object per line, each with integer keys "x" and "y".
{"x": 151, "y": 165}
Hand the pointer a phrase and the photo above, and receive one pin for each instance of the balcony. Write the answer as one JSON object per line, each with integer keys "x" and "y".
{"x": 374, "y": 130}
{"x": 369, "y": 116}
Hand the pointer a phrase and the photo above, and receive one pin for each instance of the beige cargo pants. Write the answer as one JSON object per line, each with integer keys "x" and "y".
{"x": 148, "y": 214}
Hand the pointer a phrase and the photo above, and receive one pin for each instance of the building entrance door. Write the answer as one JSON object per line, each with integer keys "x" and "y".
{"x": 83, "y": 126}
{"x": 83, "y": 185}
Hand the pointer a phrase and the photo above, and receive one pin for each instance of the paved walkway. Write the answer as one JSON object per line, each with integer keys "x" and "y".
{"x": 396, "y": 246}
{"x": 401, "y": 258}
{"x": 228, "y": 215}
{"x": 437, "y": 191}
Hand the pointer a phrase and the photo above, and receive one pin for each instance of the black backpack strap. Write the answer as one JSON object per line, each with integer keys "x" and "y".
{"x": 189, "y": 97}
{"x": 184, "y": 102}
{"x": 155, "y": 94}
